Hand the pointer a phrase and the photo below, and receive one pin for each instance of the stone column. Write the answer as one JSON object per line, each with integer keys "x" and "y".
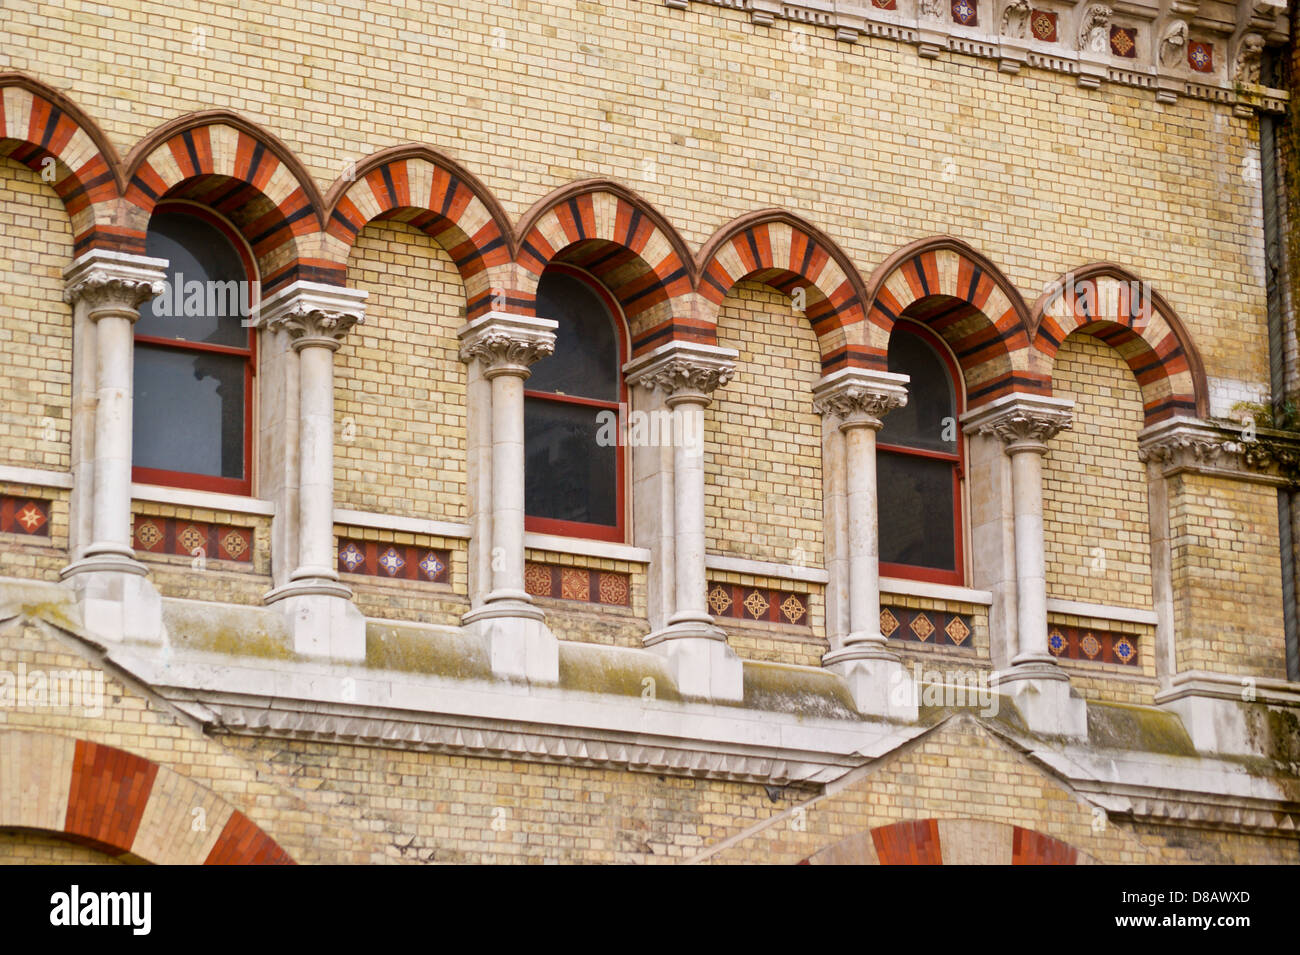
{"x": 503, "y": 345}
{"x": 106, "y": 290}
{"x": 1040, "y": 688}
{"x": 687, "y": 374}
{"x": 856, "y": 399}
{"x": 323, "y": 620}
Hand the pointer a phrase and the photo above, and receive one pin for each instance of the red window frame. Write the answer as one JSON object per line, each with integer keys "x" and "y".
{"x": 603, "y": 532}
{"x": 932, "y": 575}
{"x": 204, "y": 482}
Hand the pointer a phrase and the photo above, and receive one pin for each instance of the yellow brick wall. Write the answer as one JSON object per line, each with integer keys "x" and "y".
{"x": 762, "y": 467}
{"x": 207, "y": 577}
{"x": 1096, "y": 527}
{"x": 1227, "y": 576}
{"x": 35, "y": 324}
{"x": 20, "y": 847}
{"x": 399, "y": 387}
{"x": 29, "y": 556}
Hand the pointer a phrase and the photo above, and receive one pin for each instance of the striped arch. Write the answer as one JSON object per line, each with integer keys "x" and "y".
{"x": 44, "y": 131}
{"x": 413, "y": 184}
{"x": 1115, "y": 306}
{"x": 220, "y": 160}
{"x": 949, "y": 842}
{"x": 122, "y": 804}
{"x": 787, "y": 253}
{"x": 963, "y": 297}
{"x": 618, "y": 237}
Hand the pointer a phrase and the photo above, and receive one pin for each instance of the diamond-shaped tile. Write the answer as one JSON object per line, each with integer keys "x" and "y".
{"x": 431, "y": 566}
{"x": 352, "y": 556}
{"x": 957, "y": 630}
{"x": 391, "y": 561}
{"x": 922, "y": 627}
{"x": 888, "y": 622}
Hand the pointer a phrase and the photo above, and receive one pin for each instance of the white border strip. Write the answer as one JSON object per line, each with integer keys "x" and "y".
{"x": 184, "y": 497}
{"x": 587, "y": 548}
{"x": 395, "y": 522}
{"x": 1101, "y": 611}
{"x": 35, "y": 476}
{"x": 762, "y": 568}
{"x": 921, "y": 588}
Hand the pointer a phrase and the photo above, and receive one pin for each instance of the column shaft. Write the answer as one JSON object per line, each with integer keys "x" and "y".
{"x": 688, "y": 510}
{"x": 1031, "y": 574}
{"x": 863, "y": 538}
{"x": 508, "y": 483}
{"x": 316, "y": 457}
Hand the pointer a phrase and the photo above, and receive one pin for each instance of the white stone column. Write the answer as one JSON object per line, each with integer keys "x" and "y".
{"x": 686, "y": 375}
{"x": 856, "y": 399}
{"x": 1040, "y": 688}
{"x": 503, "y": 345}
{"x": 107, "y": 289}
{"x": 322, "y": 618}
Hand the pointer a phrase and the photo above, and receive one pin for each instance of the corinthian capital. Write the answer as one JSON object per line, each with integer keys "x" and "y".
{"x": 1024, "y": 422}
{"x": 113, "y": 280}
{"x": 313, "y": 314}
{"x": 682, "y": 370}
{"x": 858, "y": 396}
{"x": 507, "y": 344}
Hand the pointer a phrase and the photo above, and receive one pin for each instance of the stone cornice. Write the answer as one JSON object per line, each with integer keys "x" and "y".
{"x": 1024, "y": 422}
{"x": 1161, "y": 63}
{"x": 113, "y": 280}
{"x": 1191, "y": 445}
{"x": 860, "y": 396}
{"x": 313, "y": 314}
{"x": 507, "y": 344}
{"x": 683, "y": 370}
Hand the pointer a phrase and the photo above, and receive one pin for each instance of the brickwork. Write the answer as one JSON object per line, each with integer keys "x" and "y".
{"x": 399, "y": 386}
{"x": 438, "y": 602}
{"x": 35, "y": 324}
{"x": 30, "y": 556}
{"x": 1095, "y": 521}
{"x": 763, "y": 472}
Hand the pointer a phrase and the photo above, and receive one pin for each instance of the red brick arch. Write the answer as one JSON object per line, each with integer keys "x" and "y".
{"x": 620, "y": 238}
{"x": 122, "y": 804}
{"x": 1117, "y": 307}
{"x": 940, "y": 841}
{"x": 231, "y": 165}
{"x": 966, "y": 299}
{"x": 38, "y": 124}
{"x": 416, "y": 185}
{"x": 787, "y": 253}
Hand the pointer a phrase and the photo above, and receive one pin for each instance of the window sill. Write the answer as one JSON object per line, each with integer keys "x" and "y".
{"x": 900, "y": 587}
{"x": 1075, "y": 608}
{"x": 762, "y": 568}
{"x": 212, "y": 500}
{"x": 35, "y": 477}
{"x": 395, "y": 522}
{"x": 555, "y": 544}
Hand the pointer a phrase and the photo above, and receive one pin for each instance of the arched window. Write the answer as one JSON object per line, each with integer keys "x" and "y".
{"x": 194, "y": 357}
{"x": 573, "y": 472}
{"x": 919, "y": 464}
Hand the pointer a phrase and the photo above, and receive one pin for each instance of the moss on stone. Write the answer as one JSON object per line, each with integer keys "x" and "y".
{"x": 591, "y": 668}
{"x": 224, "y": 628}
{"x": 1141, "y": 728}
{"x": 436, "y": 652}
{"x": 799, "y": 691}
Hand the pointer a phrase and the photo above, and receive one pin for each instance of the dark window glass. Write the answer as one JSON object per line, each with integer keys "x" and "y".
{"x": 189, "y": 411}
{"x": 917, "y": 519}
{"x": 929, "y": 419}
{"x": 193, "y": 359}
{"x": 208, "y": 291}
{"x": 569, "y": 477}
{"x": 917, "y": 461}
{"x": 585, "y": 362}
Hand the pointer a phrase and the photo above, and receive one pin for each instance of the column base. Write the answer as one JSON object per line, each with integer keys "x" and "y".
{"x": 323, "y": 621}
{"x": 1235, "y": 715}
{"x": 877, "y": 680}
{"x": 705, "y": 667}
{"x": 117, "y": 600}
{"x": 860, "y": 646}
{"x": 521, "y": 647}
{"x": 1041, "y": 693}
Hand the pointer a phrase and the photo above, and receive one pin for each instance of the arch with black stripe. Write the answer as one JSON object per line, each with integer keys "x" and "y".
{"x": 221, "y": 160}
{"x": 415, "y": 185}
{"x": 48, "y": 133}
{"x": 790, "y": 254}
{"x": 611, "y": 232}
{"x": 959, "y": 294}
{"x": 1117, "y": 307}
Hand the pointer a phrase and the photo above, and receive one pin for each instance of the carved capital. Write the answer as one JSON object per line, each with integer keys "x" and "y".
{"x": 113, "y": 282}
{"x": 507, "y": 344}
{"x": 314, "y": 315}
{"x": 860, "y": 397}
{"x": 683, "y": 371}
{"x": 1187, "y": 444}
{"x": 1024, "y": 422}
{"x": 1094, "y": 30}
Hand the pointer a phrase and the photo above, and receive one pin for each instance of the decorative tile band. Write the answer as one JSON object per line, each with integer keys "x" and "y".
{"x": 578, "y": 583}
{"x": 182, "y": 538}
{"x": 24, "y": 515}
{"x": 758, "y": 603}
{"x": 934, "y": 627}
{"x": 398, "y": 561}
{"x": 1092, "y": 646}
